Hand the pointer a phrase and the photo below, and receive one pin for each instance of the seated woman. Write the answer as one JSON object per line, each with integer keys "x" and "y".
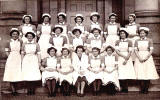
{"x": 65, "y": 70}
{"x": 80, "y": 65}
{"x": 96, "y": 70}
{"x": 110, "y": 74}
{"x": 49, "y": 71}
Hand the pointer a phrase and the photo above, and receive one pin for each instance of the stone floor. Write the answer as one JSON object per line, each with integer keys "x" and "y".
{"x": 118, "y": 96}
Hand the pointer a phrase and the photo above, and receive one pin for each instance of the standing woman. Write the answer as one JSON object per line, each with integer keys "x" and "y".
{"x": 80, "y": 65}
{"x": 96, "y": 40}
{"x": 79, "y": 23}
{"x": 94, "y": 17}
{"x": 77, "y": 39}
{"x": 31, "y": 63}
{"x": 49, "y": 71}
{"x": 61, "y": 18}
{"x": 58, "y": 40}
{"x": 144, "y": 64}
{"x": 27, "y": 26}
{"x": 44, "y": 31}
{"x": 65, "y": 70}
{"x": 111, "y": 30}
{"x": 96, "y": 70}
{"x": 110, "y": 74}
{"x": 125, "y": 66}
{"x": 132, "y": 29}
{"x": 12, "y": 71}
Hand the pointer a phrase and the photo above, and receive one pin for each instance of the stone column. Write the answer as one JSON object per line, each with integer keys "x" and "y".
{"x": 148, "y": 14}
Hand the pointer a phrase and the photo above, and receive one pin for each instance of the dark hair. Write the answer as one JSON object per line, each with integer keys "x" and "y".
{"x": 79, "y": 47}
{"x": 79, "y": 17}
{"x": 44, "y": 17}
{"x": 14, "y": 31}
{"x": 75, "y": 30}
{"x": 96, "y": 29}
{"x": 109, "y": 47}
{"x": 98, "y": 16}
{"x": 64, "y": 17}
{"x": 124, "y": 32}
{"x": 49, "y": 49}
{"x": 112, "y": 15}
{"x": 54, "y": 29}
{"x": 65, "y": 49}
{"x": 133, "y": 17}
{"x": 31, "y": 34}
{"x": 23, "y": 20}
{"x": 144, "y": 31}
{"x": 95, "y": 48}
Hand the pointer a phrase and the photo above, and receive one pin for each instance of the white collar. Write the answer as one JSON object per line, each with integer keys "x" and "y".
{"x": 94, "y": 23}
{"x": 32, "y": 42}
{"x": 27, "y": 24}
{"x": 95, "y": 57}
{"x": 45, "y": 24}
{"x": 12, "y": 40}
{"x": 79, "y": 24}
{"x": 97, "y": 37}
{"x": 61, "y": 23}
{"x": 65, "y": 57}
{"x": 51, "y": 57}
{"x": 123, "y": 40}
{"x": 133, "y": 23}
{"x": 144, "y": 38}
{"x": 112, "y": 23}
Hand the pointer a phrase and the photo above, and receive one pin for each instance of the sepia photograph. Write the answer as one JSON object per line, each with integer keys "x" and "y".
{"x": 79, "y": 49}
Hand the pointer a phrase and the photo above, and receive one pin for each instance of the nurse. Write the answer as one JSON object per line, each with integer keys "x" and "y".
{"x": 144, "y": 64}
{"x": 125, "y": 66}
{"x": 27, "y": 26}
{"x": 132, "y": 29}
{"x": 80, "y": 65}
{"x": 111, "y": 30}
{"x": 44, "y": 31}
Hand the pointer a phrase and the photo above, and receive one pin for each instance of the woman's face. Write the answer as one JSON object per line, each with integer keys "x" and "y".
{"x": 79, "y": 51}
{"x": 77, "y": 34}
{"x": 142, "y": 34}
{"x": 46, "y": 20}
{"x": 65, "y": 52}
{"x": 29, "y": 37}
{"x": 15, "y": 35}
{"x": 94, "y": 18}
{"x": 27, "y": 20}
{"x": 58, "y": 31}
{"x": 52, "y": 52}
{"x": 109, "y": 51}
{"x": 78, "y": 20}
{"x": 60, "y": 19}
{"x": 122, "y": 35}
{"x": 113, "y": 19}
{"x": 96, "y": 33}
{"x": 131, "y": 19}
{"x": 95, "y": 52}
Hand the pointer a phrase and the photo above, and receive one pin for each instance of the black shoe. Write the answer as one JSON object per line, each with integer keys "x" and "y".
{"x": 54, "y": 94}
{"x": 124, "y": 90}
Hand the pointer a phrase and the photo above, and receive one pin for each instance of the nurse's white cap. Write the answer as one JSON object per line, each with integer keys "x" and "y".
{"x": 144, "y": 28}
{"x": 26, "y": 16}
{"x": 12, "y": 29}
{"x": 132, "y": 15}
{"x": 94, "y": 13}
{"x": 79, "y": 15}
{"x": 46, "y": 14}
{"x": 65, "y": 46}
{"x": 62, "y": 13}
{"x": 112, "y": 14}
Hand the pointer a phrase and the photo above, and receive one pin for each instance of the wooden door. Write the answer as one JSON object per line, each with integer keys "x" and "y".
{"x": 84, "y": 7}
